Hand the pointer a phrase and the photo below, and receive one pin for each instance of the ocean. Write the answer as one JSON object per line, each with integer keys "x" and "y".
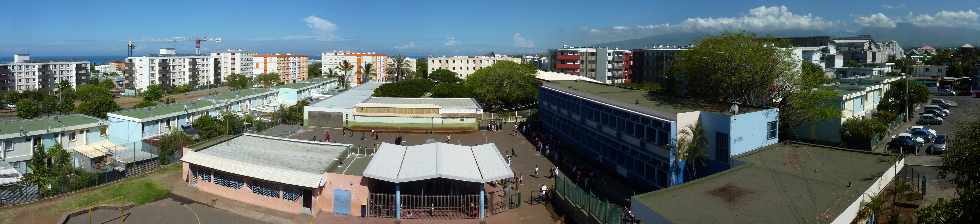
{"x": 95, "y": 60}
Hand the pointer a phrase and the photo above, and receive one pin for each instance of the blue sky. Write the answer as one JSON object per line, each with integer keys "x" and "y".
{"x": 72, "y": 28}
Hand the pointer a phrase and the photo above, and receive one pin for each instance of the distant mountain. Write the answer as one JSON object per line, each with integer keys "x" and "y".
{"x": 909, "y": 35}
{"x": 684, "y": 38}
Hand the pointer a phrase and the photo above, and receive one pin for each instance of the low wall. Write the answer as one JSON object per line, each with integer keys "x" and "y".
{"x": 244, "y": 194}
{"x": 357, "y": 185}
{"x": 851, "y": 212}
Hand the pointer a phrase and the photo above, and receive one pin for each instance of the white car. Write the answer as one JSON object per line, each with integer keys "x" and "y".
{"x": 916, "y": 127}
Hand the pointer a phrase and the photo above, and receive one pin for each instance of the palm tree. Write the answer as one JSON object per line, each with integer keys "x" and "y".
{"x": 399, "y": 67}
{"x": 368, "y": 71}
{"x": 346, "y": 67}
{"x": 691, "y": 145}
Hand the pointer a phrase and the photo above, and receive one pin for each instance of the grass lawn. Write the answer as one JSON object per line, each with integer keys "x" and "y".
{"x": 137, "y": 191}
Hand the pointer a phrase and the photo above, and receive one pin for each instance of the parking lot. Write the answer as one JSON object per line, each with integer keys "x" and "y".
{"x": 967, "y": 108}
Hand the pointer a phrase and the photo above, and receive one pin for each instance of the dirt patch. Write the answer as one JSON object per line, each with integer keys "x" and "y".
{"x": 730, "y": 193}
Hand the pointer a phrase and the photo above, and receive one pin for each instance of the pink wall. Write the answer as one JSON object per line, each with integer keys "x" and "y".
{"x": 357, "y": 185}
{"x": 244, "y": 194}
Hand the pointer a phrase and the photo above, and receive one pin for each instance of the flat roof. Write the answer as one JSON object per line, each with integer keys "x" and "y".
{"x": 349, "y": 98}
{"x": 236, "y": 94}
{"x": 289, "y": 161}
{"x": 780, "y": 183}
{"x": 15, "y": 127}
{"x": 445, "y": 103}
{"x": 399, "y": 164}
{"x": 638, "y": 100}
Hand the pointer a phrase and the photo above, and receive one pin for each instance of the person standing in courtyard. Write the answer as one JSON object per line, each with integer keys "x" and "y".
{"x": 535, "y": 170}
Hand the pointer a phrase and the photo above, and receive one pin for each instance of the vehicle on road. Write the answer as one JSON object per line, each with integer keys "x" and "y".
{"x": 947, "y": 92}
{"x": 929, "y": 119}
{"x": 903, "y": 142}
{"x": 938, "y": 145}
{"x": 943, "y": 103}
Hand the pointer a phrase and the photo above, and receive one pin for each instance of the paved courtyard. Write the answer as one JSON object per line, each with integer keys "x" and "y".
{"x": 170, "y": 210}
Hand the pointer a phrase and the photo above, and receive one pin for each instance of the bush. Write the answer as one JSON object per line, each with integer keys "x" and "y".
{"x": 859, "y": 133}
{"x": 406, "y": 88}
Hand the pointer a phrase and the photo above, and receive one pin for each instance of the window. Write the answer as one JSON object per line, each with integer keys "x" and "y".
{"x": 771, "y": 131}
{"x": 7, "y": 145}
{"x": 721, "y": 140}
{"x": 71, "y": 136}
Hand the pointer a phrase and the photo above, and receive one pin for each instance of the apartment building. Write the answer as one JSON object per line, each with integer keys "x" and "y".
{"x": 330, "y": 61}
{"x": 234, "y": 62}
{"x": 863, "y": 49}
{"x": 23, "y": 74}
{"x": 653, "y": 64}
{"x": 170, "y": 69}
{"x": 611, "y": 66}
{"x": 290, "y": 67}
{"x": 466, "y": 65}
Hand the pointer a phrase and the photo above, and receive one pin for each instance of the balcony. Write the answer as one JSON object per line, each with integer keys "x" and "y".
{"x": 566, "y": 66}
{"x": 567, "y": 57}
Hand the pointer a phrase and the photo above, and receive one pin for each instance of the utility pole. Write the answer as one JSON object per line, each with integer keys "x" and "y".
{"x": 908, "y": 105}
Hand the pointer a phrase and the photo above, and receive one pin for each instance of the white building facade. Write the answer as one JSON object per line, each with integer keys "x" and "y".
{"x": 466, "y": 65}
{"x": 24, "y": 74}
{"x": 235, "y": 62}
{"x": 172, "y": 70}
{"x": 291, "y": 68}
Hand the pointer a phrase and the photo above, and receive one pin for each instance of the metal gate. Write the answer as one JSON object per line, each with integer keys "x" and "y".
{"x": 341, "y": 202}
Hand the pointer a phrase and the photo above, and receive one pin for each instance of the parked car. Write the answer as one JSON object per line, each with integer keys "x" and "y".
{"x": 920, "y": 127}
{"x": 903, "y": 142}
{"x": 938, "y": 145}
{"x": 923, "y": 134}
{"x": 929, "y": 119}
{"x": 943, "y": 103}
{"x": 947, "y": 92}
{"x": 933, "y": 112}
{"x": 935, "y": 107}
{"x": 11, "y": 106}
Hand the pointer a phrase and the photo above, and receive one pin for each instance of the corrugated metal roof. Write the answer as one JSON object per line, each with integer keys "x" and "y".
{"x": 269, "y": 173}
{"x": 397, "y": 164}
{"x": 347, "y": 99}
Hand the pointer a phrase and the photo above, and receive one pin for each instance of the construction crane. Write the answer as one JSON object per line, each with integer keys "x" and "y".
{"x": 198, "y": 41}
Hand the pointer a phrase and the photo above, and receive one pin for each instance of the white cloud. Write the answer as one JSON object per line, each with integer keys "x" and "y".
{"x": 594, "y": 30}
{"x": 620, "y": 28}
{"x": 522, "y": 42}
{"x": 946, "y": 19}
{"x": 875, "y": 20}
{"x": 451, "y": 41}
{"x": 653, "y": 26}
{"x": 898, "y": 6}
{"x": 762, "y": 18}
{"x": 409, "y": 45}
{"x": 324, "y": 29}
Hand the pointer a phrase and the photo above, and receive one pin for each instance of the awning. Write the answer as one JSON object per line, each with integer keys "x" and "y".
{"x": 8, "y": 174}
{"x": 397, "y": 164}
{"x": 99, "y": 149}
{"x": 286, "y": 176}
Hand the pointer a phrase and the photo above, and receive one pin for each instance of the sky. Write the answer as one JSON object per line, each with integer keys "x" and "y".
{"x": 434, "y": 27}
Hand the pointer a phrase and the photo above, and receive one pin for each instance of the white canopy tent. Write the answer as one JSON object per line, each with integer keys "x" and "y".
{"x": 399, "y": 164}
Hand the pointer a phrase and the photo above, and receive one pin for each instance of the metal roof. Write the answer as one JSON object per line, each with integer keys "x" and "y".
{"x": 11, "y": 128}
{"x": 349, "y": 98}
{"x": 453, "y": 105}
{"x": 288, "y": 161}
{"x": 398, "y": 164}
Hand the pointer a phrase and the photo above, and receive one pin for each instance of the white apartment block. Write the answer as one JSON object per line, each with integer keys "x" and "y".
{"x": 235, "y": 62}
{"x": 23, "y": 74}
{"x": 291, "y": 68}
{"x": 169, "y": 69}
{"x": 106, "y": 69}
{"x": 330, "y": 61}
{"x": 466, "y": 65}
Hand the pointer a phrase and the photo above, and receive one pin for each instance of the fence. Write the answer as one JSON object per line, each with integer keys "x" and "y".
{"x": 463, "y": 206}
{"x": 600, "y": 210}
{"x": 130, "y": 160}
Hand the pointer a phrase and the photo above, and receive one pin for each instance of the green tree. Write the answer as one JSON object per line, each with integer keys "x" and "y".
{"x": 894, "y": 100}
{"x": 238, "y": 81}
{"x": 451, "y": 90}
{"x": 269, "y": 79}
{"x": 367, "y": 72}
{"x": 232, "y": 124}
{"x": 804, "y": 107}
{"x": 504, "y": 85}
{"x": 692, "y": 147}
{"x": 422, "y": 68}
{"x": 27, "y": 109}
{"x": 108, "y": 84}
{"x": 399, "y": 69}
{"x": 207, "y": 127}
{"x": 181, "y": 89}
{"x": 313, "y": 71}
{"x": 444, "y": 76}
{"x": 859, "y": 132}
{"x": 734, "y": 67}
{"x": 153, "y": 93}
{"x": 41, "y": 174}
{"x": 961, "y": 166}
{"x": 813, "y": 75}
{"x": 406, "y": 88}
{"x": 344, "y": 80}
{"x": 97, "y": 106}
{"x": 172, "y": 143}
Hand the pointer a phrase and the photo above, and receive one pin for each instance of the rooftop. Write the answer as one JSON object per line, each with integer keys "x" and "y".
{"x": 231, "y": 95}
{"x": 445, "y": 103}
{"x": 349, "y": 98}
{"x": 44, "y": 124}
{"x": 282, "y": 160}
{"x": 638, "y": 100}
{"x": 163, "y": 109}
{"x": 399, "y": 164}
{"x": 776, "y": 184}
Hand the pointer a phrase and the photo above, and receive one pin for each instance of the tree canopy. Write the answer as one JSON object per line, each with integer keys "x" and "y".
{"x": 405, "y": 88}
{"x": 238, "y": 81}
{"x": 313, "y": 71}
{"x": 504, "y": 85}
{"x": 268, "y": 79}
{"x": 894, "y": 99}
{"x": 961, "y": 166}
{"x": 444, "y": 76}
